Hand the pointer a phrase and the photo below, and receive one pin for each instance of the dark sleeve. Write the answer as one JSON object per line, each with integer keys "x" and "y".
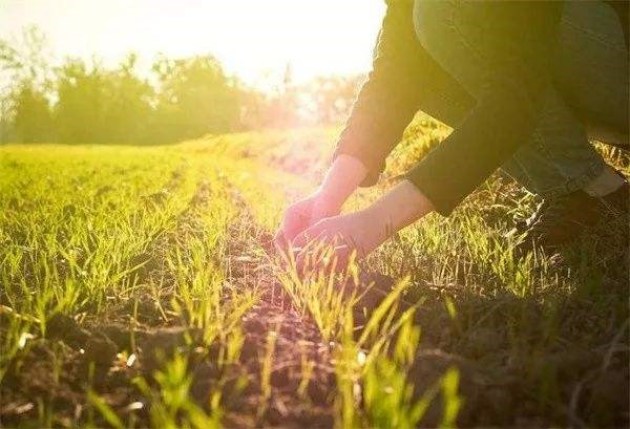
{"x": 507, "y": 112}
{"x": 388, "y": 100}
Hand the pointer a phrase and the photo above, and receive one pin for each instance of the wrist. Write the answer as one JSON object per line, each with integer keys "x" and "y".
{"x": 342, "y": 179}
{"x": 328, "y": 202}
{"x": 400, "y": 207}
{"x": 378, "y": 222}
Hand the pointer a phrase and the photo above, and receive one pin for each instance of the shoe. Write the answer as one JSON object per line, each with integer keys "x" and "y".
{"x": 559, "y": 221}
{"x": 617, "y": 203}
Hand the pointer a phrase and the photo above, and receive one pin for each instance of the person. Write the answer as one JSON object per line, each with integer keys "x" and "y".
{"x": 524, "y": 86}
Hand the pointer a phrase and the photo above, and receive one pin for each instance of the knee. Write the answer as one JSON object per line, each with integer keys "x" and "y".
{"x": 434, "y": 27}
{"x": 418, "y": 22}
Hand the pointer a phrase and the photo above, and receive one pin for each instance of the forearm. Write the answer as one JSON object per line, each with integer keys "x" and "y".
{"x": 399, "y": 208}
{"x": 367, "y": 229}
{"x": 389, "y": 99}
{"x": 342, "y": 179}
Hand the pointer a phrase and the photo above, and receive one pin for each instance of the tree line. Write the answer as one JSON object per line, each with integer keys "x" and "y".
{"x": 80, "y": 101}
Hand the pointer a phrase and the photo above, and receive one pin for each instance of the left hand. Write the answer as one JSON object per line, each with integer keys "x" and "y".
{"x": 362, "y": 232}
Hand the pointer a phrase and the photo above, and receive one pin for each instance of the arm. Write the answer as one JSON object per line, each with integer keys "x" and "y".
{"x": 399, "y": 208}
{"x": 502, "y": 120}
{"x": 385, "y": 105}
{"x": 506, "y": 114}
{"x": 389, "y": 99}
{"x": 342, "y": 179}
{"x": 366, "y": 229}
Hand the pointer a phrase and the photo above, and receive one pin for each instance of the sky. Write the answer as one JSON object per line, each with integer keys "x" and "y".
{"x": 252, "y": 38}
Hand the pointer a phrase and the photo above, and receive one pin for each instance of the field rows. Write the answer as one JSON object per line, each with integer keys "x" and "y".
{"x": 140, "y": 288}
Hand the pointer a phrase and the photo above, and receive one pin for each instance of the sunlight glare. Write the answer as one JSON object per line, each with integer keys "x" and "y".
{"x": 250, "y": 37}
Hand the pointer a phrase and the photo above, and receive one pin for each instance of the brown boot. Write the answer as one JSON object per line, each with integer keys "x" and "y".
{"x": 561, "y": 220}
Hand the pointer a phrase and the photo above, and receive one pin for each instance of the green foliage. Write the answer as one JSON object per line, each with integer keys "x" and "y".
{"x": 171, "y": 404}
{"x": 97, "y": 105}
{"x": 196, "y": 97}
{"x": 105, "y": 410}
{"x": 95, "y": 233}
{"x": 193, "y": 97}
{"x": 390, "y": 400}
{"x": 80, "y": 101}
{"x": 266, "y": 367}
{"x": 33, "y": 117}
{"x": 27, "y": 58}
{"x": 25, "y": 79}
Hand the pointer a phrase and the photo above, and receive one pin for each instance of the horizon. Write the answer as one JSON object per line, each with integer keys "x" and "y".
{"x": 249, "y": 38}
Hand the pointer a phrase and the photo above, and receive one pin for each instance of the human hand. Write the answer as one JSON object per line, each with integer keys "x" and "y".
{"x": 341, "y": 180}
{"x": 363, "y": 231}
{"x": 338, "y": 238}
{"x": 302, "y": 215}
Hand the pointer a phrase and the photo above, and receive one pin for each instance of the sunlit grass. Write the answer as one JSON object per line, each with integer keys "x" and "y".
{"x": 175, "y": 241}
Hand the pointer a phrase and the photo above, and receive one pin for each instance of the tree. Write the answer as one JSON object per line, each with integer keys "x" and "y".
{"x": 80, "y": 112}
{"x": 195, "y": 97}
{"x": 128, "y": 110}
{"x": 25, "y": 83}
{"x": 83, "y": 102}
{"x": 32, "y": 116}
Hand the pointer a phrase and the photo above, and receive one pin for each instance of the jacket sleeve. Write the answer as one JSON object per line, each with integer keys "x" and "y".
{"x": 505, "y": 114}
{"x": 388, "y": 100}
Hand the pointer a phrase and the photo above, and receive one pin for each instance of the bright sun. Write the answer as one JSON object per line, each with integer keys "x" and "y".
{"x": 251, "y": 37}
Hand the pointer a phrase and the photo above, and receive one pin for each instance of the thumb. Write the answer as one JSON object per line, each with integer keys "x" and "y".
{"x": 280, "y": 241}
{"x": 294, "y": 223}
{"x": 310, "y": 235}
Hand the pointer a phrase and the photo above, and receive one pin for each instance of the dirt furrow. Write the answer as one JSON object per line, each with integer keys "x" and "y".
{"x": 288, "y": 363}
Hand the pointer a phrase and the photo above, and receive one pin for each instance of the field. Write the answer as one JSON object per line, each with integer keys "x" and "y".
{"x": 140, "y": 289}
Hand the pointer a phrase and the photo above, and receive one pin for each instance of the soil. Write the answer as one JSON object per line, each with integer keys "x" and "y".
{"x": 80, "y": 353}
{"x": 75, "y": 357}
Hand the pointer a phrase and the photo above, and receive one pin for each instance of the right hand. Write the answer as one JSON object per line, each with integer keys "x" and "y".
{"x": 341, "y": 180}
{"x": 302, "y": 215}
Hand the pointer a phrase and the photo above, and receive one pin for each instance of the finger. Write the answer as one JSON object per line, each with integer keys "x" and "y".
{"x": 300, "y": 264}
{"x": 282, "y": 250}
{"x": 311, "y": 235}
{"x": 278, "y": 238}
{"x": 309, "y": 258}
{"x": 287, "y": 259}
{"x": 319, "y": 254}
{"x": 280, "y": 242}
{"x": 342, "y": 256}
{"x": 293, "y": 224}
{"x": 301, "y": 240}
